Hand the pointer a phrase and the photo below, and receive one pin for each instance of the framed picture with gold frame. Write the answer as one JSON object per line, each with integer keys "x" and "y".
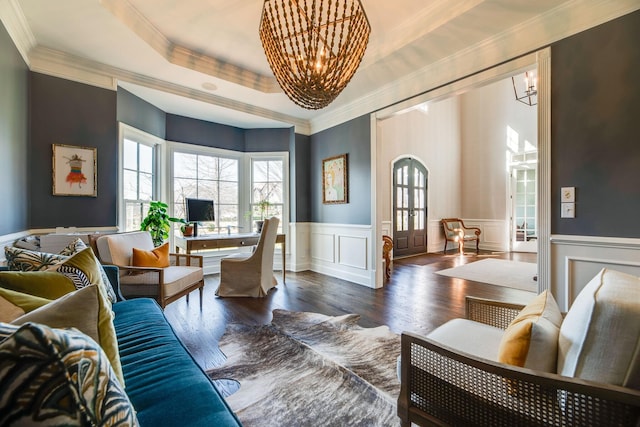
{"x": 335, "y": 177}
{"x": 74, "y": 171}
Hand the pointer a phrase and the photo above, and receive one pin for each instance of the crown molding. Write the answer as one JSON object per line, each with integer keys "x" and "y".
{"x": 60, "y": 64}
{"x": 184, "y": 57}
{"x": 561, "y": 22}
{"x": 16, "y": 24}
{"x": 427, "y": 19}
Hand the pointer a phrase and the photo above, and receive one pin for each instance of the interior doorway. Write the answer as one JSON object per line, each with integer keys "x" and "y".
{"x": 524, "y": 195}
{"x": 410, "y": 180}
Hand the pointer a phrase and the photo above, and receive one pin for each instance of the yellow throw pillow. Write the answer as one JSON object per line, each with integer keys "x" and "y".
{"x": 83, "y": 268}
{"x": 159, "y": 257}
{"x": 9, "y": 311}
{"x": 87, "y": 310}
{"x": 44, "y": 284}
{"x": 531, "y": 340}
{"x": 25, "y": 301}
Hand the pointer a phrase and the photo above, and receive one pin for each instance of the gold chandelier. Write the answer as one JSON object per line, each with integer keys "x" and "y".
{"x": 314, "y": 47}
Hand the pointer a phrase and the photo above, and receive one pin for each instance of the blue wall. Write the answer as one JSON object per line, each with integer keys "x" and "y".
{"x": 595, "y": 136}
{"x": 300, "y": 156}
{"x": 353, "y": 138}
{"x": 200, "y": 132}
{"x": 66, "y": 112}
{"x": 139, "y": 114}
{"x": 14, "y": 166}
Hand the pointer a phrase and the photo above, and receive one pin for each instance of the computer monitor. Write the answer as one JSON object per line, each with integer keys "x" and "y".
{"x": 199, "y": 210}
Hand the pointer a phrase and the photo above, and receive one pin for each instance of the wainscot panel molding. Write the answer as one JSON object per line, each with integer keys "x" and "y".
{"x": 344, "y": 251}
{"x": 299, "y": 246}
{"x": 577, "y": 259}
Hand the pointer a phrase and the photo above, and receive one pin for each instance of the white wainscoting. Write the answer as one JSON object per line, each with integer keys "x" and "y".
{"x": 575, "y": 260}
{"x": 344, "y": 251}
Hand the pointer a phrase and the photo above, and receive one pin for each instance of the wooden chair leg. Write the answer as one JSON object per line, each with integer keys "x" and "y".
{"x": 477, "y": 246}
{"x": 444, "y": 251}
{"x": 201, "y": 295}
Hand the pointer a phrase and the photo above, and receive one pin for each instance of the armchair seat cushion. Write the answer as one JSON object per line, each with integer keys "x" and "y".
{"x": 176, "y": 280}
{"x": 469, "y": 337}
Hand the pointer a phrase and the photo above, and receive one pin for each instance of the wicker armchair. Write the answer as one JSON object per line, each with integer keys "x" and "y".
{"x": 441, "y": 386}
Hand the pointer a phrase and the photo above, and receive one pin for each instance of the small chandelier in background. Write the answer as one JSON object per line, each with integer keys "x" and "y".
{"x": 527, "y": 92}
{"x": 314, "y": 47}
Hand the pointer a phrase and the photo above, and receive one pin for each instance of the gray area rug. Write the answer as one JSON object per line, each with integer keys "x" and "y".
{"x": 499, "y": 272}
{"x": 308, "y": 369}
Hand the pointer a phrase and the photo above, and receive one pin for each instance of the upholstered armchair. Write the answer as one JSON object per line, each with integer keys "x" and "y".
{"x": 250, "y": 274}
{"x": 455, "y": 231}
{"x": 165, "y": 284}
{"x": 508, "y": 364}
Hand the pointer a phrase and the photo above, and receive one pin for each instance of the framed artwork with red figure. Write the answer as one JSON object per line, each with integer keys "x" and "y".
{"x": 74, "y": 171}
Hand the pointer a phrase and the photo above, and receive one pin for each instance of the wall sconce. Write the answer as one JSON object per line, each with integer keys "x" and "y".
{"x": 528, "y": 93}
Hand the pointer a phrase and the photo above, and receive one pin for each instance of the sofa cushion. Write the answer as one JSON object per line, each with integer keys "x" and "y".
{"x": 86, "y": 310}
{"x": 469, "y": 337}
{"x": 26, "y": 302}
{"x": 44, "y": 284}
{"x": 531, "y": 339}
{"x": 157, "y": 257}
{"x": 65, "y": 380}
{"x": 599, "y": 335}
{"x": 164, "y": 383}
{"x": 9, "y": 311}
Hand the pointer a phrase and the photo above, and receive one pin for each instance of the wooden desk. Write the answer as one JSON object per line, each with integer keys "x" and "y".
{"x": 219, "y": 241}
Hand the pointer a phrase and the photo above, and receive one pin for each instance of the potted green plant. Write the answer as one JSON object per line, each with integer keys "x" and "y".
{"x": 158, "y": 222}
{"x": 263, "y": 206}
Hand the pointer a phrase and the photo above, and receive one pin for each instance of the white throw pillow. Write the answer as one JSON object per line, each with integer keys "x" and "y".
{"x": 600, "y": 336}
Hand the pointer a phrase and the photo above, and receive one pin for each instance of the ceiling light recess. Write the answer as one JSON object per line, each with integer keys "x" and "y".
{"x": 314, "y": 47}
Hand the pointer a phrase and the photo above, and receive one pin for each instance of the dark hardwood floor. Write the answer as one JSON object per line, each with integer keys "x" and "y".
{"x": 415, "y": 299}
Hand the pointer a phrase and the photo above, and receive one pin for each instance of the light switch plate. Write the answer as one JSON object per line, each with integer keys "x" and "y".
{"x": 568, "y": 194}
{"x": 568, "y": 210}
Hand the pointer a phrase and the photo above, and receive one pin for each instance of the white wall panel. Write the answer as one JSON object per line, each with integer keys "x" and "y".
{"x": 323, "y": 247}
{"x": 352, "y": 251}
{"x": 575, "y": 260}
{"x": 345, "y": 251}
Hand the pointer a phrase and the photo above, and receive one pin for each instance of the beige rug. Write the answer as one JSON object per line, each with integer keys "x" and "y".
{"x": 499, "y": 272}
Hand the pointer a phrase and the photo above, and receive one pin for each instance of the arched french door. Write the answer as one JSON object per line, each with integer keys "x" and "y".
{"x": 409, "y": 207}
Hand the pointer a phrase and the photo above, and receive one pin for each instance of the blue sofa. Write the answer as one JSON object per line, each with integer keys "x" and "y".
{"x": 164, "y": 383}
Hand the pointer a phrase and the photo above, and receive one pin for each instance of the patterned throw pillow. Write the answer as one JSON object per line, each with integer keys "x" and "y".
{"x": 84, "y": 269}
{"x": 79, "y": 245}
{"x": 25, "y": 260}
{"x": 73, "y": 247}
{"x": 66, "y": 380}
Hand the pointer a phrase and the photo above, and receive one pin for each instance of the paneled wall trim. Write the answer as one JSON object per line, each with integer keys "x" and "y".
{"x": 344, "y": 251}
{"x": 577, "y": 259}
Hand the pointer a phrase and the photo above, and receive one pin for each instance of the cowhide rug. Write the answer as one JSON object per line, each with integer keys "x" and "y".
{"x": 308, "y": 369}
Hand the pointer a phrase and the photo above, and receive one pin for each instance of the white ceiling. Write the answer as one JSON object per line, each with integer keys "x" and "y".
{"x": 171, "y": 53}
